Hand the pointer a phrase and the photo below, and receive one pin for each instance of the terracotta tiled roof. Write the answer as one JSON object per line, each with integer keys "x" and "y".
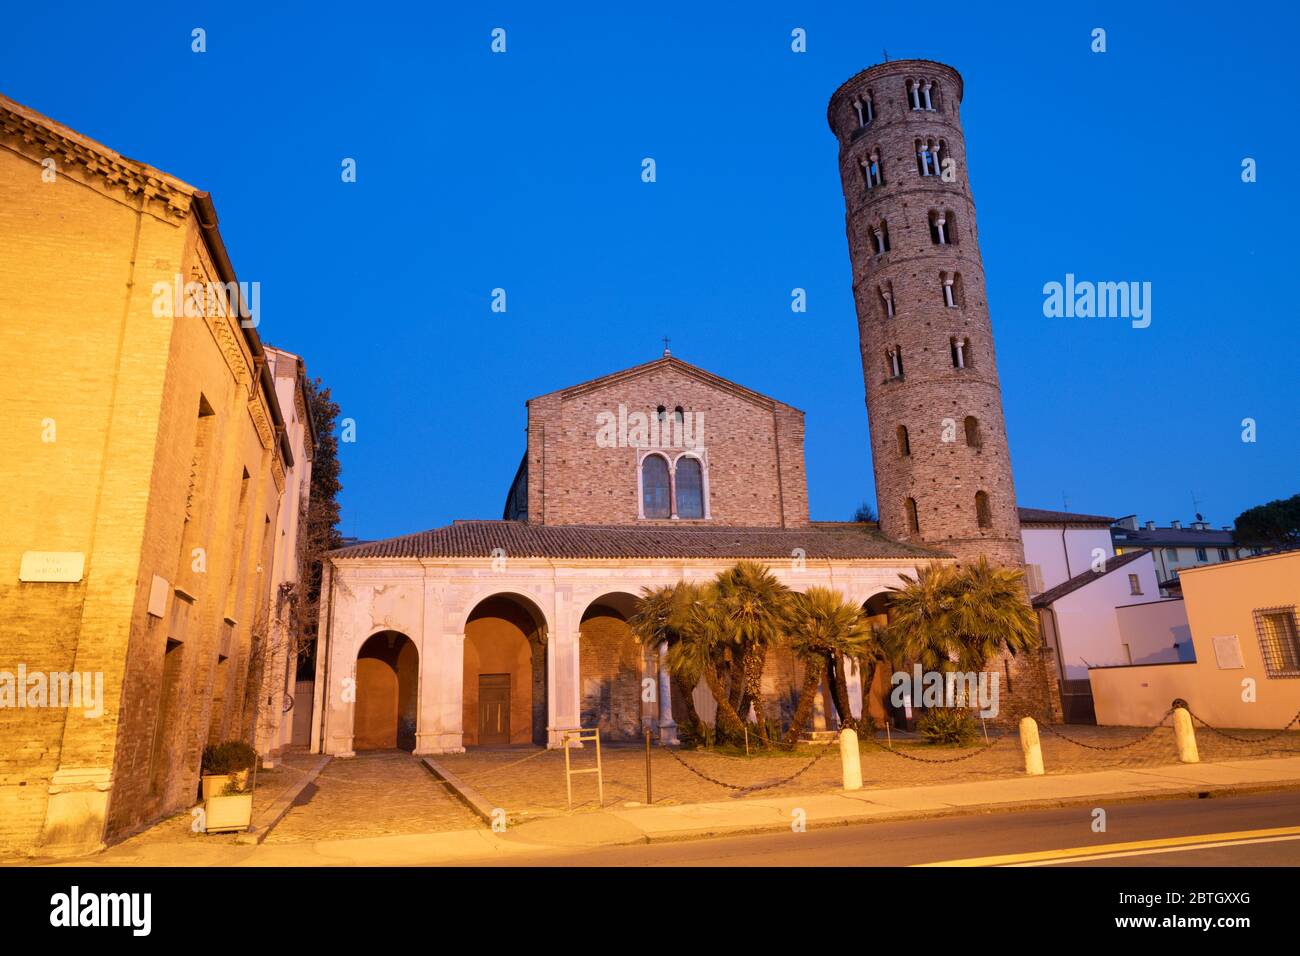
{"x": 1052, "y": 595}
{"x": 520, "y": 539}
{"x": 1042, "y": 516}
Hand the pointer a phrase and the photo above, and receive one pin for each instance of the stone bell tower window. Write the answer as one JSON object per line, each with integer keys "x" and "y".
{"x": 913, "y": 521}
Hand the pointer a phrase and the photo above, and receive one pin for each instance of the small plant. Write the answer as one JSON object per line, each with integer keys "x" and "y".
{"x": 229, "y": 757}
{"x": 948, "y": 725}
{"x": 234, "y": 787}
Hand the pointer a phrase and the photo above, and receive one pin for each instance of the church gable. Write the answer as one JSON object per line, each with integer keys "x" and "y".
{"x": 722, "y": 454}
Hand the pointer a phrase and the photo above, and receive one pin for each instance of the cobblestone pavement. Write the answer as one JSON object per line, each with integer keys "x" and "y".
{"x": 529, "y": 783}
{"x": 179, "y": 828}
{"x": 384, "y": 793}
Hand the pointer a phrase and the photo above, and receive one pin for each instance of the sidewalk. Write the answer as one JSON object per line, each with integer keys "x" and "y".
{"x": 529, "y": 842}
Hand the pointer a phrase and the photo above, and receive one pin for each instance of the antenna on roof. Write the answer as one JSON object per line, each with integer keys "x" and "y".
{"x": 886, "y": 53}
{"x": 1065, "y": 502}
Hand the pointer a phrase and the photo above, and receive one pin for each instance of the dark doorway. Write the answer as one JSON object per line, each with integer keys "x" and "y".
{"x": 387, "y": 678}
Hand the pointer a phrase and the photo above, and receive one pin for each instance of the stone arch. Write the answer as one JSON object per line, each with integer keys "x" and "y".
{"x": 387, "y": 689}
{"x": 504, "y": 693}
{"x": 612, "y": 664}
{"x": 876, "y": 687}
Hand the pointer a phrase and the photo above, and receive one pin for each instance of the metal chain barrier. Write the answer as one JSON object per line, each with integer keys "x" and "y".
{"x": 1079, "y": 743}
{"x": 974, "y": 753}
{"x": 754, "y": 788}
{"x": 1245, "y": 740}
{"x": 506, "y": 766}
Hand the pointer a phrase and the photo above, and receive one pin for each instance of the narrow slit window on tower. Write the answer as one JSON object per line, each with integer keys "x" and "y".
{"x": 983, "y": 515}
{"x": 973, "y": 437}
{"x": 913, "y": 521}
{"x": 904, "y": 443}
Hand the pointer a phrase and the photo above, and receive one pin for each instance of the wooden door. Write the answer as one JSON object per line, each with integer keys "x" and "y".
{"x": 493, "y": 710}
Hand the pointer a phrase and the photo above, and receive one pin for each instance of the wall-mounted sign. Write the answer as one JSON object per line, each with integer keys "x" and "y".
{"x": 52, "y": 566}
{"x": 159, "y": 590}
{"x": 1227, "y": 652}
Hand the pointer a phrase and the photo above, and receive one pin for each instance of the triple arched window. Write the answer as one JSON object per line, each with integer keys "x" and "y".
{"x": 676, "y": 489}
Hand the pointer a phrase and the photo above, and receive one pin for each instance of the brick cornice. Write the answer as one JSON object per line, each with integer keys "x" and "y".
{"x": 94, "y": 165}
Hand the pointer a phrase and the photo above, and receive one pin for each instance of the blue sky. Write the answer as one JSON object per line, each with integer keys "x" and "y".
{"x": 522, "y": 171}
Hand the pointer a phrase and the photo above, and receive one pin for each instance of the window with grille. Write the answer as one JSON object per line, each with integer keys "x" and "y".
{"x": 1279, "y": 640}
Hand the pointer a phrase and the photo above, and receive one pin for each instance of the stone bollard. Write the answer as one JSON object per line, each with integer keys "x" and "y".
{"x": 1185, "y": 735}
{"x": 1031, "y": 747}
{"x": 850, "y": 759}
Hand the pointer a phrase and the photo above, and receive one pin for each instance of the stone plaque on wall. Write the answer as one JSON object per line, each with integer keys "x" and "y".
{"x": 1227, "y": 651}
{"x": 52, "y": 566}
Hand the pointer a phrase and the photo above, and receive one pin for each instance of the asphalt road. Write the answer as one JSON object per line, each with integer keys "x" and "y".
{"x": 1253, "y": 830}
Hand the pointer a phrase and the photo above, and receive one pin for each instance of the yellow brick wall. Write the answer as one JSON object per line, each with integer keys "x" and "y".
{"x": 78, "y": 262}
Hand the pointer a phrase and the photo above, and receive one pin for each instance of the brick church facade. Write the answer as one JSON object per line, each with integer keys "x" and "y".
{"x": 514, "y": 631}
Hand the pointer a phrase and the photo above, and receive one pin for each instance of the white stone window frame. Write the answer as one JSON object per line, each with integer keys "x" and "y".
{"x": 701, "y": 456}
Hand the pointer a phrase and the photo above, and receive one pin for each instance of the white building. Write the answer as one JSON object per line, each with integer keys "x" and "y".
{"x": 1096, "y": 607}
{"x": 1175, "y": 548}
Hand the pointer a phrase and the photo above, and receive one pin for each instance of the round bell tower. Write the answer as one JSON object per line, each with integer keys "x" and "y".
{"x": 938, "y": 439}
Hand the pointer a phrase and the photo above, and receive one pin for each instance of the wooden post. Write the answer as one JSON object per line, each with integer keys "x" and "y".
{"x": 649, "y": 792}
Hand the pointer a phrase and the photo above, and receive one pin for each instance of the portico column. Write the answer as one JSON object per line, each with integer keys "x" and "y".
{"x": 667, "y": 726}
{"x": 562, "y": 672}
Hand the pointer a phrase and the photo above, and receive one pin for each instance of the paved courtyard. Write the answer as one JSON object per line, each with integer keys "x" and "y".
{"x": 529, "y": 783}
{"x": 383, "y": 793}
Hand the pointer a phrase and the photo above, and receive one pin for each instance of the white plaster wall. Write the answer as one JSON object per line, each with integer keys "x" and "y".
{"x": 1045, "y": 548}
{"x": 1087, "y": 623}
{"x": 1156, "y": 632}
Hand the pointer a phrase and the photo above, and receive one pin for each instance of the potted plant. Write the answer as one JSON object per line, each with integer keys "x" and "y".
{"x": 224, "y": 763}
{"x": 230, "y": 810}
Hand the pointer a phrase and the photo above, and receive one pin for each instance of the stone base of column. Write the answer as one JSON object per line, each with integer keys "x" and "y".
{"x": 77, "y": 811}
{"x": 668, "y": 733}
{"x": 438, "y": 742}
{"x": 555, "y": 739}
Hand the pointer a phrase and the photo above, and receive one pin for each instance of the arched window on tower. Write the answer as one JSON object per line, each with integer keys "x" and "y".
{"x": 983, "y": 515}
{"x": 953, "y": 297}
{"x": 943, "y": 227}
{"x": 656, "y": 497}
{"x": 973, "y": 437}
{"x": 927, "y": 157}
{"x": 904, "y": 443}
{"x": 864, "y": 105}
{"x": 872, "y": 172}
{"x": 886, "y": 290}
{"x": 960, "y": 348}
{"x": 913, "y": 520}
{"x": 880, "y": 237}
{"x": 913, "y": 94}
{"x": 894, "y": 362}
{"x": 930, "y": 95}
{"x": 689, "y": 480}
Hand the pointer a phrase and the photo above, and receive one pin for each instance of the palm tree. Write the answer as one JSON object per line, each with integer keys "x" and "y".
{"x": 823, "y": 627}
{"x": 959, "y": 619}
{"x": 755, "y": 605}
{"x": 652, "y": 622}
{"x": 705, "y": 642}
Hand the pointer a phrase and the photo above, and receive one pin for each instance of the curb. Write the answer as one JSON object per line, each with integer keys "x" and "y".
{"x": 272, "y": 815}
{"x": 463, "y": 791}
{"x": 904, "y": 816}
